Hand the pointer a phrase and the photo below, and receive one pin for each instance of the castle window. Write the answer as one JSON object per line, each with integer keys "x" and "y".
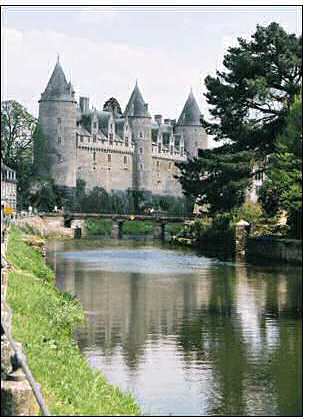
{"x": 171, "y": 150}
{"x": 109, "y": 158}
{"x": 94, "y": 138}
{"x": 111, "y": 138}
{"x": 141, "y": 150}
{"x": 126, "y": 141}
{"x": 182, "y": 150}
{"x": 94, "y": 125}
{"x": 81, "y": 139}
{"x": 169, "y": 165}
{"x": 58, "y": 121}
{"x": 141, "y": 134}
{"x": 157, "y": 163}
{"x": 125, "y": 161}
{"x": 59, "y": 140}
{"x": 111, "y": 126}
{"x": 159, "y": 148}
{"x": 88, "y": 139}
{"x": 94, "y": 156}
{"x": 141, "y": 166}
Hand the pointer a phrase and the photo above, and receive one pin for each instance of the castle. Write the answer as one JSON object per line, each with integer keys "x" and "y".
{"x": 115, "y": 151}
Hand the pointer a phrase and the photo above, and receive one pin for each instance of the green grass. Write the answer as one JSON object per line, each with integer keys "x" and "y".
{"x": 43, "y": 321}
{"x": 174, "y": 228}
{"x": 137, "y": 228}
{"x": 23, "y": 257}
{"x": 98, "y": 227}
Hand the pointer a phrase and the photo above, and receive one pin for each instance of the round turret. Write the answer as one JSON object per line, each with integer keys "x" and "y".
{"x": 189, "y": 125}
{"x": 57, "y": 118}
{"x": 140, "y": 123}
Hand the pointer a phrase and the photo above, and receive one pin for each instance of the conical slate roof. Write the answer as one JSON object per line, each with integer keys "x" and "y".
{"x": 58, "y": 87}
{"x": 191, "y": 113}
{"x": 136, "y": 106}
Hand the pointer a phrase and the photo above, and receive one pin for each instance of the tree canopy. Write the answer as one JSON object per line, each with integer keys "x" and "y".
{"x": 250, "y": 98}
{"x": 249, "y": 101}
{"x": 113, "y": 105}
{"x": 17, "y": 127}
{"x": 283, "y": 187}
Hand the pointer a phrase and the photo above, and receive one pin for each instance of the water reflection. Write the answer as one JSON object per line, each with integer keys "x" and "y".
{"x": 199, "y": 338}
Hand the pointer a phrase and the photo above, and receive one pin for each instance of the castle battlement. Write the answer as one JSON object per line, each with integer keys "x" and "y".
{"x": 115, "y": 150}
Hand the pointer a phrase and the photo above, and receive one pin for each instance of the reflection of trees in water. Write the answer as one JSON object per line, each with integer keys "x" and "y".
{"x": 239, "y": 321}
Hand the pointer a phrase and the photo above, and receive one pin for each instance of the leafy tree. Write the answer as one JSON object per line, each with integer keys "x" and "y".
{"x": 283, "y": 187}
{"x": 113, "y": 105}
{"x": 249, "y": 101}
{"x": 217, "y": 179}
{"x": 250, "y": 98}
{"x": 44, "y": 194}
{"x": 17, "y": 128}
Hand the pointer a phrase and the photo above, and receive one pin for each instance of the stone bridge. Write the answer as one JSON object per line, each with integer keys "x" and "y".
{"x": 76, "y": 221}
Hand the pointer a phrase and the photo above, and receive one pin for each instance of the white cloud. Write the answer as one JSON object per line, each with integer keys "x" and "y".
{"x": 95, "y": 15}
{"x": 98, "y": 69}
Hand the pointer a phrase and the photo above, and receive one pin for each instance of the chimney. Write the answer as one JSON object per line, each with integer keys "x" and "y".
{"x": 84, "y": 104}
{"x": 158, "y": 118}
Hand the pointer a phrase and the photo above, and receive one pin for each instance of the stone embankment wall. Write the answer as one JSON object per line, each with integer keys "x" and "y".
{"x": 287, "y": 250}
{"x": 46, "y": 227}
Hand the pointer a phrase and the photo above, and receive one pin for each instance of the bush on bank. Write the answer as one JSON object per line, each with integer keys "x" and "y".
{"x": 43, "y": 321}
{"x": 98, "y": 227}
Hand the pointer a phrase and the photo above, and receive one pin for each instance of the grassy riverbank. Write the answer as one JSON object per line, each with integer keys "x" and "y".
{"x": 43, "y": 321}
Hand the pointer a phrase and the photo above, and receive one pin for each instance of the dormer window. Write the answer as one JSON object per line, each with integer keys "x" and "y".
{"x": 94, "y": 125}
{"x": 126, "y": 141}
{"x": 59, "y": 140}
{"x": 159, "y": 148}
{"x": 111, "y": 138}
{"x": 94, "y": 138}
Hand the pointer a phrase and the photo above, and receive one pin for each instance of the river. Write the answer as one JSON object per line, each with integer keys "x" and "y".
{"x": 187, "y": 334}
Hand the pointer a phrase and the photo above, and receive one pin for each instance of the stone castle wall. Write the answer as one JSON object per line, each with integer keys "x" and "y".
{"x": 113, "y": 168}
{"x": 58, "y": 121}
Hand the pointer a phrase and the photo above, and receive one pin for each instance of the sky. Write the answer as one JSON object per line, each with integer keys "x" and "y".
{"x": 104, "y": 50}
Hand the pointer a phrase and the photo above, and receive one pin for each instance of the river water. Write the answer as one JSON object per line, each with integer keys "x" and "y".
{"x": 187, "y": 334}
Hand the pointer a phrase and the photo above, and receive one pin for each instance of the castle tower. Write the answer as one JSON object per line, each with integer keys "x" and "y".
{"x": 140, "y": 123}
{"x": 57, "y": 118}
{"x": 189, "y": 125}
